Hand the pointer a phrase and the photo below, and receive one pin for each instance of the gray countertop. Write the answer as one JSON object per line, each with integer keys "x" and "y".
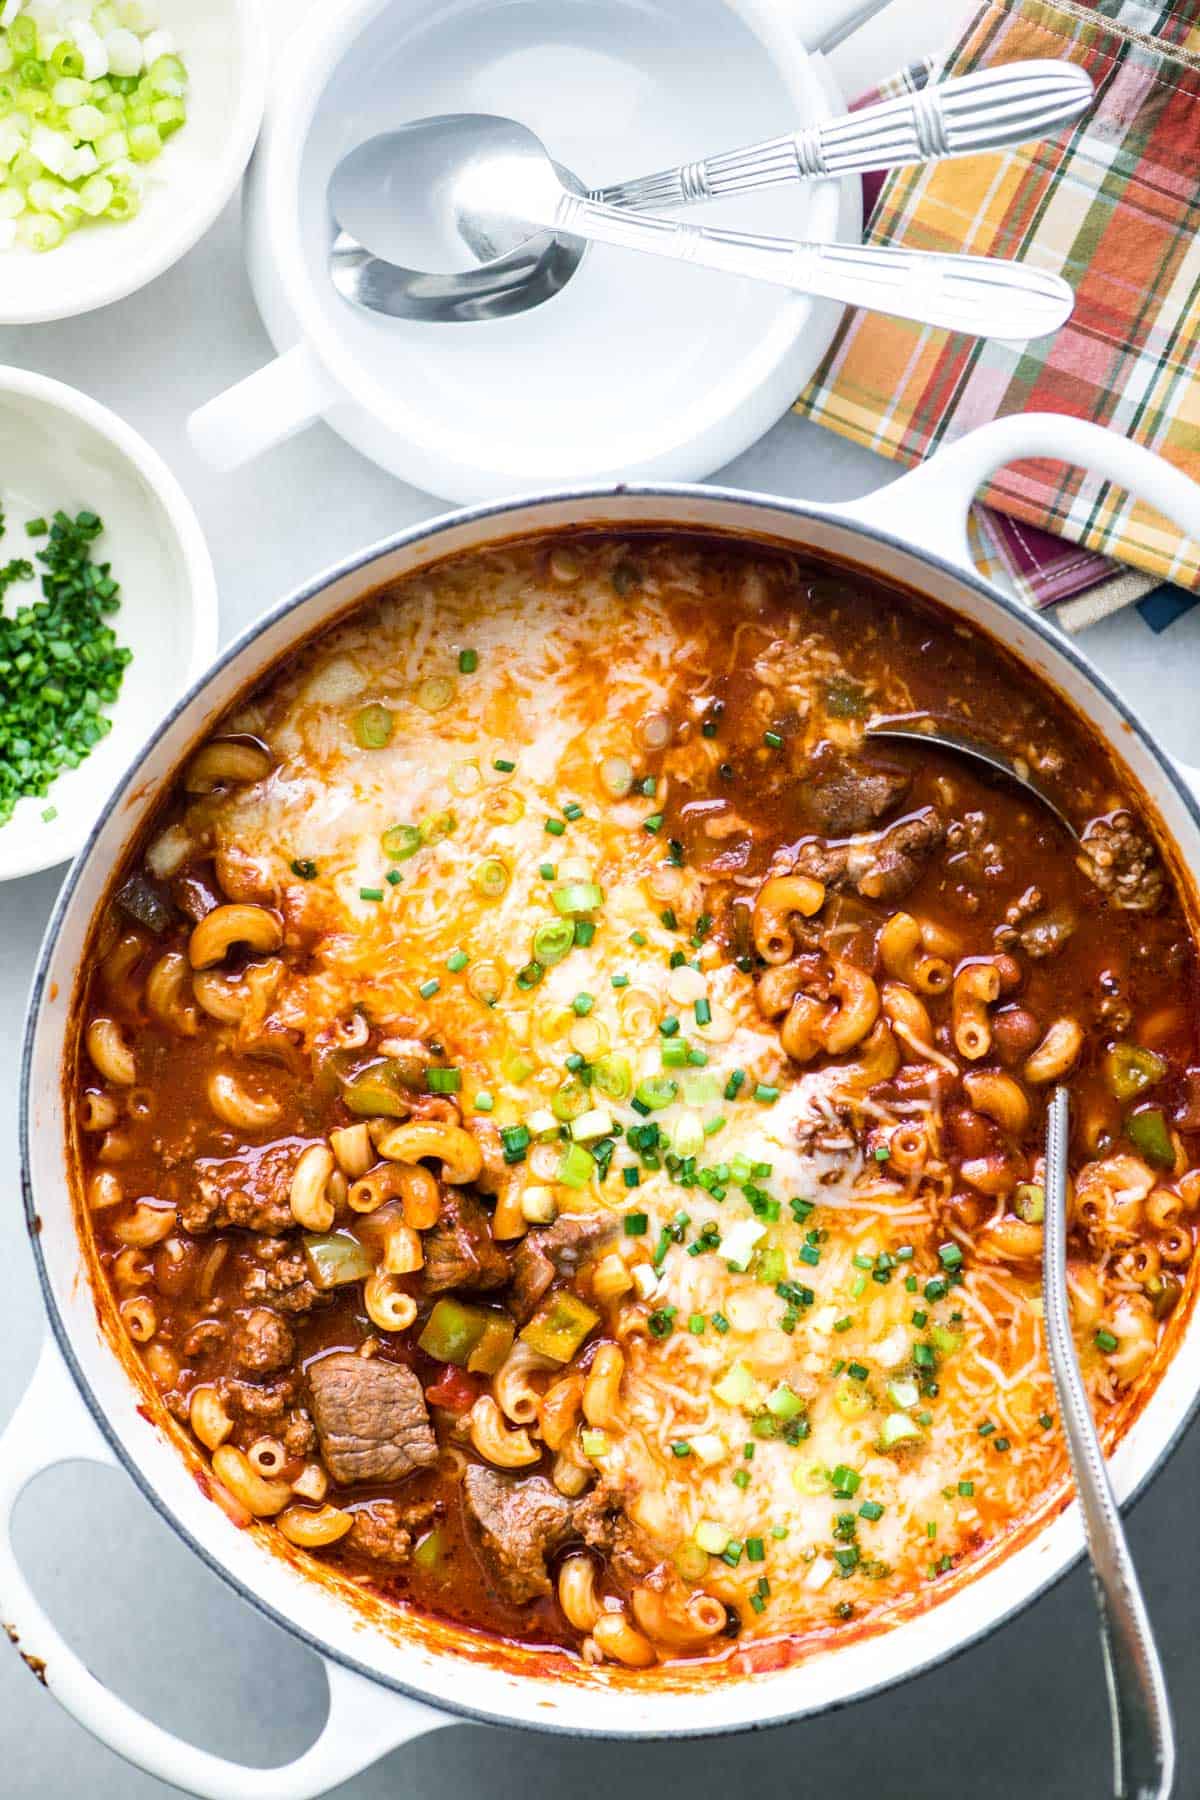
{"x": 1024, "y": 1709}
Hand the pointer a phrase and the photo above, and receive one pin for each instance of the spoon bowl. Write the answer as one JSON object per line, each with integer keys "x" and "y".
{"x": 422, "y": 231}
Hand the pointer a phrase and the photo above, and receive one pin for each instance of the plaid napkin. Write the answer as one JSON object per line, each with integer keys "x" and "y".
{"x": 1113, "y": 204}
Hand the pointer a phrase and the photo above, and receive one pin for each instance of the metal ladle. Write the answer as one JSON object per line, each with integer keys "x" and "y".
{"x": 452, "y": 195}
{"x": 922, "y": 731}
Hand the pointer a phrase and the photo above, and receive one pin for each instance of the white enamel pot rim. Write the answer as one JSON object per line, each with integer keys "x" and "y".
{"x": 82, "y": 1404}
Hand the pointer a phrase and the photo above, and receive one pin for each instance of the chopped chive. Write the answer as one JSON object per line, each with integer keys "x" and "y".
{"x": 870, "y": 1509}
{"x": 772, "y": 740}
{"x": 766, "y": 1094}
{"x": 503, "y": 764}
{"x": 468, "y": 662}
{"x": 458, "y": 959}
{"x": 555, "y": 827}
{"x": 547, "y": 871}
{"x": 620, "y": 981}
{"x": 370, "y": 893}
{"x": 429, "y": 988}
{"x": 582, "y": 1004}
{"x": 1106, "y": 1341}
{"x": 667, "y": 915}
{"x": 703, "y": 1012}
{"x": 393, "y": 878}
{"x": 966, "y": 1489}
{"x": 735, "y": 1084}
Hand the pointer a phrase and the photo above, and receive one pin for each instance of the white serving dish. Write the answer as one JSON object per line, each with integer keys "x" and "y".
{"x": 388, "y": 1686}
{"x": 640, "y": 368}
{"x": 60, "y": 449}
{"x": 222, "y": 44}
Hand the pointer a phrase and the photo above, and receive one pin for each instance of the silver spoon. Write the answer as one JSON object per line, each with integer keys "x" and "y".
{"x": 1143, "y": 1735}
{"x": 921, "y": 730}
{"x": 444, "y": 195}
{"x": 985, "y": 111}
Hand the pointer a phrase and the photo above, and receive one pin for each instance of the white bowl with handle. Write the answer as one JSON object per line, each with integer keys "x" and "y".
{"x": 638, "y": 368}
{"x": 391, "y": 1683}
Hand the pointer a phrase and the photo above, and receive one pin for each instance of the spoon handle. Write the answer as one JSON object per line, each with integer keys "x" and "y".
{"x": 979, "y": 294}
{"x": 1143, "y": 1737}
{"x": 969, "y": 113}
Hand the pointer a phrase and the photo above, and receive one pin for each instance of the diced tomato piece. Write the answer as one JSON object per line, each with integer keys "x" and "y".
{"x": 758, "y": 1659}
{"x": 454, "y": 1390}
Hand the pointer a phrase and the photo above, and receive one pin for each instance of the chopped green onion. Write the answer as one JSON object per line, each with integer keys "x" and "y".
{"x": 552, "y": 940}
{"x": 577, "y": 897}
{"x": 503, "y": 764}
{"x": 366, "y": 893}
{"x": 444, "y": 1081}
{"x": 399, "y": 842}
{"x": 429, "y": 988}
{"x": 468, "y": 662}
{"x": 490, "y": 878}
{"x": 373, "y": 727}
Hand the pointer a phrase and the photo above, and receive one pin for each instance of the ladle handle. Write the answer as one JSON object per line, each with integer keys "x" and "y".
{"x": 1143, "y": 1737}
{"x": 978, "y": 294}
{"x": 987, "y": 110}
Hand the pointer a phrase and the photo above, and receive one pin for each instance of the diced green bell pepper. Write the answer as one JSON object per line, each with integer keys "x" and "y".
{"x": 1148, "y": 1133}
{"x": 559, "y": 1326}
{"x": 335, "y": 1258}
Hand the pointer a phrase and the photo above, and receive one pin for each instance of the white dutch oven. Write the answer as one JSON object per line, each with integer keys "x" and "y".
{"x": 388, "y": 1687}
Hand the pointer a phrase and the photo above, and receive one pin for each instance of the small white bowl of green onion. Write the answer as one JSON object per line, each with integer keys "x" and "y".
{"x": 108, "y": 611}
{"x": 125, "y": 126}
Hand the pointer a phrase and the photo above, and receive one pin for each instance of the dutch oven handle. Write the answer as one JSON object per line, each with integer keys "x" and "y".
{"x": 929, "y": 506}
{"x": 51, "y": 1426}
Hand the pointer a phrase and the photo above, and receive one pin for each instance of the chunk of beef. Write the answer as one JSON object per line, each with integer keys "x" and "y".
{"x": 285, "y": 1283}
{"x": 371, "y": 1418}
{"x": 883, "y": 866}
{"x": 1123, "y": 863}
{"x": 1047, "y": 932}
{"x": 250, "y": 1190}
{"x": 517, "y": 1524}
{"x": 144, "y": 901}
{"x": 888, "y": 866}
{"x": 263, "y": 1342}
{"x": 853, "y": 798}
{"x": 460, "y": 1251}
{"x": 260, "y": 1406}
{"x": 384, "y": 1531}
{"x": 823, "y": 862}
{"x": 561, "y": 1249}
{"x": 601, "y": 1521}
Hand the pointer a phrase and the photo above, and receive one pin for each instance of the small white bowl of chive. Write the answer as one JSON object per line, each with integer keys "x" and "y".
{"x": 125, "y": 126}
{"x": 108, "y": 611}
